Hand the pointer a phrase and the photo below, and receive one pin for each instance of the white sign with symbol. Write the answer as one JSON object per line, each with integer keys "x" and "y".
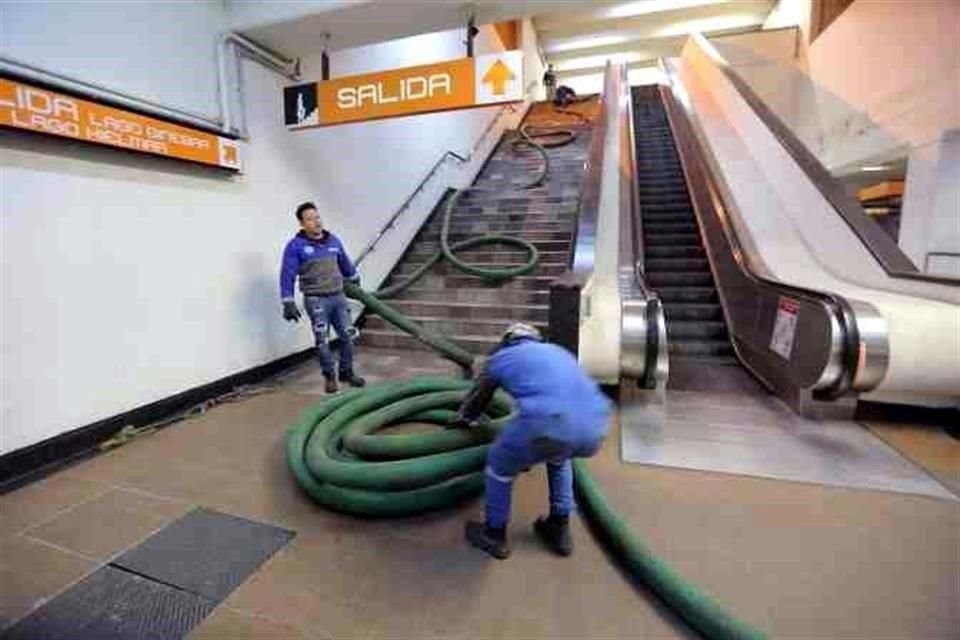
{"x": 785, "y": 327}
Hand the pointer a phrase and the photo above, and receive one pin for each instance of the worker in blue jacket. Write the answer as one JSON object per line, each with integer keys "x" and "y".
{"x": 318, "y": 259}
{"x": 561, "y": 414}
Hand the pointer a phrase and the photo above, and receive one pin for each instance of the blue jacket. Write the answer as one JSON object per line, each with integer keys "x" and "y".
{"x": 321, "y": 264}
{"x": 545, "y": 379}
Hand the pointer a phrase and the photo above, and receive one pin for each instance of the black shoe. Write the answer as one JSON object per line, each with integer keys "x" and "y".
{"x": 330, "y": 386}
{"x": 555, "y": 534}
{"x": 352, "y": 379}
{"x": 493, "y": 541}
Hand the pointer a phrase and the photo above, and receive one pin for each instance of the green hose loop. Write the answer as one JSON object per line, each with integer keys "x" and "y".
{"x": 338, "y": 458}
{"x": 536, "y": 138}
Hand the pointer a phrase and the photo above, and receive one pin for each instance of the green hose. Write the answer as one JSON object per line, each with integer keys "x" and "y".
{"x": 341, "y": 462}
{"x": 539, "y": 139}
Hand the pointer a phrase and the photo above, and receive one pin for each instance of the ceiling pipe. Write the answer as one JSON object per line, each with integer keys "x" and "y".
{"x": 52, "y": 79}
{"x": 242, "y": 46}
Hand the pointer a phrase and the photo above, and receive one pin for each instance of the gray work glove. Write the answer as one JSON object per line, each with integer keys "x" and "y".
{"x": 290, "y": 311}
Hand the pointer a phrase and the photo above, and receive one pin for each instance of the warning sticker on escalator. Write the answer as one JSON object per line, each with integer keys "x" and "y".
{"x": 785, "y": 327}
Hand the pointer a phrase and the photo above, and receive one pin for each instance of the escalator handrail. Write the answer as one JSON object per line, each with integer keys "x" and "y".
{"x": 631, "y": 212}
{"x": 697, "y": 171}
{"x": 884, "y": 249}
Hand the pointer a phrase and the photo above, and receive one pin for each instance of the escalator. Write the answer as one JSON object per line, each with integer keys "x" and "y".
{"x": 675, "y": 263}
{"x": 676, "y": 267}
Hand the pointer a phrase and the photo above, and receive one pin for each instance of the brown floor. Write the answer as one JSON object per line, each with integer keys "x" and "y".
{"x": 798, "y": 560}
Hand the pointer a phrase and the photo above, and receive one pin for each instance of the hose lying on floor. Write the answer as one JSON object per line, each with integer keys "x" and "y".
{"x": 341, "y": 462}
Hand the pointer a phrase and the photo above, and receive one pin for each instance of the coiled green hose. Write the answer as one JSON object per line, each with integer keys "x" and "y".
{"x": 341, "y": 462}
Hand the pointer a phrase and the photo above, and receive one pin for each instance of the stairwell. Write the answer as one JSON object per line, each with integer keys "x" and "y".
{"x": 467, "y": 309}
{"x": 676, "y": 265}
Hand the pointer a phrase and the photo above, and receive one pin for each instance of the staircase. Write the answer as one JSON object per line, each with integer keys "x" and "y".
{"x": 676, "y": 265}
{"x": 467, "y": 309}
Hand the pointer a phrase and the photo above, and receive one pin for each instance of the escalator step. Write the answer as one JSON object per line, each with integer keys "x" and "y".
{"x": 677, "y": 264}
{"x": 672, "y": 239}
{"x": 679, "y": 279}
{"x": 687, "y": 294}
{"x": 666, "y": 251}
{"x": 696, "y": 330}
{"x": 711, "y": 348}
{"x": 680, "y": 311}
{"x": 662, "y": 226}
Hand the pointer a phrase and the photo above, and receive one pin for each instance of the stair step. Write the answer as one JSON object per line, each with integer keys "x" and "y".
{"x": 445, "y": 267}
{"x": 687, "y": 294}
{"x": 680, "y": 311}
{"x": 482, "y": 255}
{"x": 452, "y": 309}
{"x": 389, "y": 339}
{"x": 461, "y": 281}
{"x": 484, "y": 227}
{"x": 530, "y": 236}
{"x": 697, "y": 330}
{"x": 482, "y": 215}
{"x": 679, "y": 279}
{"x": 433, "y": 244}
{"x": 492, "y": 327}
{"x": 480, "y": 296}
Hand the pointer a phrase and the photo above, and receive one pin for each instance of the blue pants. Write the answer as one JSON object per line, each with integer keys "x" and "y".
{"x": 527, "y": 441}
{"x": 325, "y": 311}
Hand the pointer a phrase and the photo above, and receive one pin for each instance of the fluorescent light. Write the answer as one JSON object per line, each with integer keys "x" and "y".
{"x": 587, "y": 62}
{"x": 586, "y": 43}
{"x": 874, "y": 167}
{"x": 629, "y": 9}
{"x": 703, "y": 25}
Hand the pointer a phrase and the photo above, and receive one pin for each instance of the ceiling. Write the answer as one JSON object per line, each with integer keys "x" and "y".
{"x": 579, "y": 42}
{"x": 577, "y": 37}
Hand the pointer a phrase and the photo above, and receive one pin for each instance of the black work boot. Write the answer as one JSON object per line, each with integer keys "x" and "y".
{"x": 330, "y": 384}
{"x": 555, "y": 533}
{"x": 493, "y": 541}
{"x": 352, "y": 379}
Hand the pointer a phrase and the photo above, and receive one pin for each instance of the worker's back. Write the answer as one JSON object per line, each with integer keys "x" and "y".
{"x": 545, "y": 380}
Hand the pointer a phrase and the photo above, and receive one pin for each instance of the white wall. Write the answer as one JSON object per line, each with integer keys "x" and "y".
{"x": 125, "y": 278}
{"x": 897, "y": 61}
{"x": 930, "y": 219}
{"x": 160, "y": 51}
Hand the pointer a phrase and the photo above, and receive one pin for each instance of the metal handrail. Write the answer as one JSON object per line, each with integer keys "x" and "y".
{"x": 888, "y": 255}
{"x": 391, "y": 223}
{"x": 643, "y": 334}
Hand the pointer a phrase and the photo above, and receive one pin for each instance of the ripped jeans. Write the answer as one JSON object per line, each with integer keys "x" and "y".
{"x": 527, "y": 441}
{"x": 326, "y": 311}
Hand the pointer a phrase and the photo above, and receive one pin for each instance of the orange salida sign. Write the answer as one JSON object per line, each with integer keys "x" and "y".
{"x": 23, "y": 106}
{"x": 455, "y": 84}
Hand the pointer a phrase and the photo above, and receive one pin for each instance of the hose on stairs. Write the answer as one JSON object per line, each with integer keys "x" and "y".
{"x": 341, "y": 462}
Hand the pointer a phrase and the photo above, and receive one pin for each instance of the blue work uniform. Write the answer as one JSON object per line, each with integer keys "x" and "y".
{"x": 321, "y": 265}
{"x": 562, "y": 414}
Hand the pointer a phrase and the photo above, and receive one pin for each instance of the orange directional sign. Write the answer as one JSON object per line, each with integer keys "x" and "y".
{"x": 24, "y": 106}
{"x": 456, "y": 84}
{"x": 497, "y": 77}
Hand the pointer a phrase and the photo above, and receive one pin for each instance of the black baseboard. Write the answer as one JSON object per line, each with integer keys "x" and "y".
{"x": 26, "y": 465}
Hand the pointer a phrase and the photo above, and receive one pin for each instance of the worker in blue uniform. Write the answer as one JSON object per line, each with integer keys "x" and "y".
{"x": 561, "y": 414}
{"x": 318, "y": 259}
